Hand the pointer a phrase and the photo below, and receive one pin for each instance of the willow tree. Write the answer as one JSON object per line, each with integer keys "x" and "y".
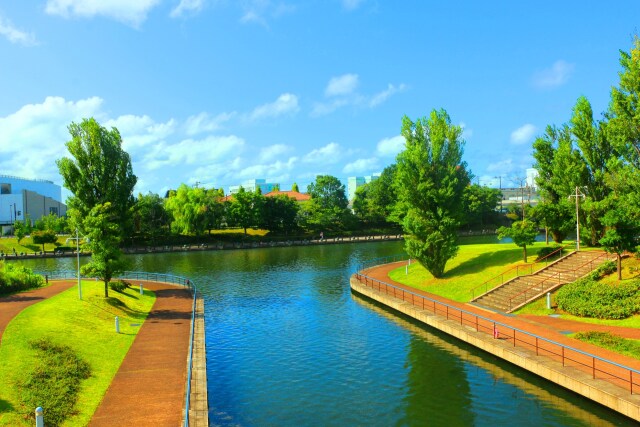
{"x": 431, "y": 178}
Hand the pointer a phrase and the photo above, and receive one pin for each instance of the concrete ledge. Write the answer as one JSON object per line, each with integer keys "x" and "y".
{"x": 199, "y": 407}
{"x": 600, "y": 391}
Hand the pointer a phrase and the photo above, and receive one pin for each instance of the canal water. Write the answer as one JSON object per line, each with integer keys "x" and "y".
{"x": 288, "y": 344}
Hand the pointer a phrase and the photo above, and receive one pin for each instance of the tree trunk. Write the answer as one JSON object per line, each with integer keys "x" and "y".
{"x": 106, "y": 289}
{"x": 619, "y": 266}
{"x": 524, "y": 251}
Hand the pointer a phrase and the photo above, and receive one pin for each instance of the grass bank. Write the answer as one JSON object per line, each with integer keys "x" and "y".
{"x": 86, "y": 327}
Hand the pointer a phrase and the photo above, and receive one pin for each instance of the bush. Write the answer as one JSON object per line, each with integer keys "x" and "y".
{"x": 543, "y": 252}
{"x": 53, "y": 382}
{"x": 612, "y": 342}
{"x": 119, "y": 285}
{"x": 604, "y": 269}
{"x": 14, "y": 278}
{"x": 588, "y": 298}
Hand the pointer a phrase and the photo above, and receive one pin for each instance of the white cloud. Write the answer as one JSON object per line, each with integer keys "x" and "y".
{"x": 130, "y": 12}
{"x": 555, "y": 76}
{"x": 390, "y": 147}
{"x": 204, "y": 123}
{"x": 271, "y": 170}
{"x": 322, "y": 109}
{"x": 466, "y": 132}
{"x": 361, "y": 166}
{"x": 187, "y": 7}
{"x": 193, "y": 152}
{"x": 258, "y": 11}
{"x": 286, "y": 103}
{"x": 329, "y": 154}
{"x": 273, "y": 152}
{"x": 351, "y": 4}
{"x": 504, "y": 167}
{"x": 381, "y": 97}
{"x": 523, "y": 134}
{"x": 15, "y": 35}
{"x": 342, "y": 85}
{"x": 33, "y": 138}
{"x": 139, "y": 132}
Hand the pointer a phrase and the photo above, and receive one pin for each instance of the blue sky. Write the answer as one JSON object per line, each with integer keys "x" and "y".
{"x": 220, "y": 91}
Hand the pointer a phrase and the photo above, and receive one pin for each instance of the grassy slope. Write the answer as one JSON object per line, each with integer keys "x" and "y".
{"x": 86, "y": 326}
{"x": 474, "y": 264}
{"x": 7, "y": 244}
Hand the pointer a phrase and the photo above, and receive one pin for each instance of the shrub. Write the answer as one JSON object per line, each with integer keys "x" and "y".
{"x": 604, "y": 269}
{"x": 543, "y": 252}
{"x": 612, "y": 342}
{"x": 119, "y": 285}
{"x": 588, "y": 298}
{"x": 15, "y": 278}
{"x": 53, "y": 382}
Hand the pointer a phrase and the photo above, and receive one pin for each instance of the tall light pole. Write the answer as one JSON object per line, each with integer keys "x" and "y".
{"x": 579, "y": 194}
{"x": 500, "y": 187}
{"x": 78, "y": 262}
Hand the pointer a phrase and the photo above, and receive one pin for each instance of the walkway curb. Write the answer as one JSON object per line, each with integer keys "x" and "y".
{"x": 199, "y": 407}
{"x": 600, "y": 391}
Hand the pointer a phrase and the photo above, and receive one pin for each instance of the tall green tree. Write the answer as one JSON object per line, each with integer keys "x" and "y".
{"x": 624, "y": 109}
{"x": 194, "y": 210}
{"x": 480, "y": 205}
{"x": 279, "y": 213}
{"x": 40, "y": 237}
{"x": 431, "y": 178}
{"x": 375, "y": 202}
{"x": 104, "y": 238}
{"x": 246, "y": 209}
{"x": 98, "y": 172}
{"x": 151, "y": 220}
{"x": 327, "y": 208}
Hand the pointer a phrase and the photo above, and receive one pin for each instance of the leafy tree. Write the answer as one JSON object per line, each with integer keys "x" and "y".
{"x": 480, "y": 205}
{"x": 624, "y": 109}
{"x": 328, "y": 205}
{"x": 150, "y": 216}
{"x": 279, "y": 213}
{"x": 375, "y": 202}
{"x": 522, "y": 233}
{"x": 295, "y": 188}
{"x": 21, "y": 229}
{"x": 100, "y": 172}
{"x": 596, "y": 151}
{"x": 560, "y": 169}
{"x": 194, "y": 210}
{"x": 104, "y": 235}
{"x": 52, "y": 222}
{"x": 40, "y": 237}
{"x": 431, "y": 178}
{"x": 246, "y": 209}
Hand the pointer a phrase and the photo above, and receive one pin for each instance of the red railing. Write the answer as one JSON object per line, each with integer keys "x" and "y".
{"x": 598, "y": 367}
{"x": 485, "y": 286}
{"x": 540, "y": 286}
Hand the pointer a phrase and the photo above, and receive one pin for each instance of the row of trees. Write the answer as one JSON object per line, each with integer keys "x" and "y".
{"x": 596, "y": 160}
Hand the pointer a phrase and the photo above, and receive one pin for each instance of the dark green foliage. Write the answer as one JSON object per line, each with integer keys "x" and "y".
{"x": 40, "y": 237}
{"x": 522, "y": 233}
{"x": 15, "y": 277}
{"x": 603, "y": 270}
{"x": 480, "y": 205}
{"x": 54, "y": 382}
{"x": 588, "y": 298}
{"x": 327, "y": 209}
{"x": 119, "y": 285}
{"x": 612, "y": 342}
{"x": 543, "y": 252}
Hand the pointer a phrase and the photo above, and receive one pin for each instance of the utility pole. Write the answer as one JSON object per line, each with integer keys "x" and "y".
{"x": 520, "y": 181}
{"x": 500, "y": 187}
{"x": 579, "y": 194}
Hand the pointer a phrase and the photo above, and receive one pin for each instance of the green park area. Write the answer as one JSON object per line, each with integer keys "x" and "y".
{"x": 65, "y": 351}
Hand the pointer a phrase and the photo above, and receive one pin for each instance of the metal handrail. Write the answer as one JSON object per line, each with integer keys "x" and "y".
{"x": 474, "y": 319}
{"x": 517, "y": 268}
{"x": 190, "y": 362}
{"x": 558, "y": 274}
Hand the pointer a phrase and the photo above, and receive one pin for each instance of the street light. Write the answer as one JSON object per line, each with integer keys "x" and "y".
{"x": 78, "y": 262}
{"x": 579, "y": 194}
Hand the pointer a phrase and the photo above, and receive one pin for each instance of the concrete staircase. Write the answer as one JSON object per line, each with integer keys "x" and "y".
{"x": 517, "y": 292}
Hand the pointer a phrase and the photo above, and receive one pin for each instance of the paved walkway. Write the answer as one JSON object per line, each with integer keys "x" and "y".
{"x": 149, "y": 387}
{"x": 548, "y": 327}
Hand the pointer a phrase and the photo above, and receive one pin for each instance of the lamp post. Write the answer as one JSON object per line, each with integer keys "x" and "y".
{"x": 500, "y": 187}
{"x": 579, "y": 194}
{"x": 78, "y": 262}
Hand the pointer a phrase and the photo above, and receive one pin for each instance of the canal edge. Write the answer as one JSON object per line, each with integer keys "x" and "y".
{"x": 572, "y": 379}
{"x": 199, "y": 407}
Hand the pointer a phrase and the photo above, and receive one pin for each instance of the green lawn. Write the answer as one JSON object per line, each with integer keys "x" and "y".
{"x": 8, "y": 244}
{"x": 475, "y": 264}
{"x": 87, "y": 327}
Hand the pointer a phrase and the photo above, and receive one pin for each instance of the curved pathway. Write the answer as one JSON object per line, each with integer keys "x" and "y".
{"x": 552, "y": 328}
{"x": 149, "y": 387}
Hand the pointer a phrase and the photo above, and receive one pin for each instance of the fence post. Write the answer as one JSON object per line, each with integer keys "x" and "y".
{"x": 141, "y": 290}
{"x": 117, "y": 325}
{"x": 39, "y": 417}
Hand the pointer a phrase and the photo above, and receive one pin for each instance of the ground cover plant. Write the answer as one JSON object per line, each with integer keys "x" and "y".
{"x": 627, "y": 347}
{"x": 474, "y": 264}
{"x": 86, "y": 328}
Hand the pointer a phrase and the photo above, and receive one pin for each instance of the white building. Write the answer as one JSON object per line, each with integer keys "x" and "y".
{"x": 33, "y": 198}
{"x": 252, "y": 184}
{"x": 532, "y": 174}
{"x": 353, "y": 182}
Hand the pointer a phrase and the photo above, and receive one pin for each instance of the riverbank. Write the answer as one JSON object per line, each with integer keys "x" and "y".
{"x": 595, "y": 373}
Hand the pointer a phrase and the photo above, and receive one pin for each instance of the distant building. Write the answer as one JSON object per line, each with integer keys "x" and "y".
{"x": 353, "y": 182}
{"x": 532, "y": 174}
{"x": 22, "y": 198}
{"x": 299, "y": 197}
{"x": 252, "y": 184}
